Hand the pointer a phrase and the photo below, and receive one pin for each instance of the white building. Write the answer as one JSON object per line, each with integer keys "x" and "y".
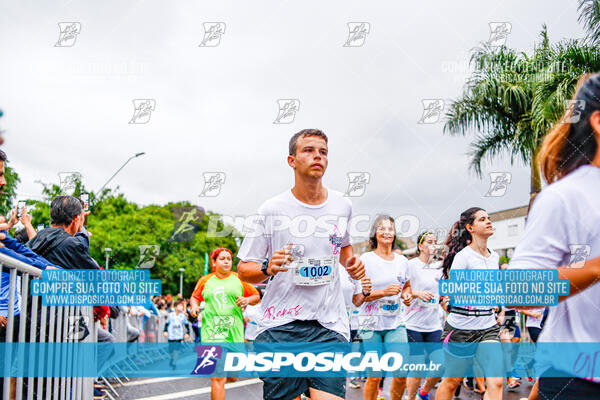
{"x": 509, "y": 226}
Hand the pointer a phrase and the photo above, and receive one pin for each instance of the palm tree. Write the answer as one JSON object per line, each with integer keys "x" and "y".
{"x": 589, "y": 15}
{"x": 496, "y": 103}
{"x": 512, "y": 99}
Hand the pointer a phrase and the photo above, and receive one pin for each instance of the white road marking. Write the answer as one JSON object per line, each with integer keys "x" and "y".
{"x": 204, "y": 390}
{"x": 153, "y": 380}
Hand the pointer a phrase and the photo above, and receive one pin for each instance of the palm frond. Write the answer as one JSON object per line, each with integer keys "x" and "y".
{"x": 589, "y": 15}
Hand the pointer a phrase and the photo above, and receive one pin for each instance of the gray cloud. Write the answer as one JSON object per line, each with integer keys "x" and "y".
{"x": 67, "y": 109}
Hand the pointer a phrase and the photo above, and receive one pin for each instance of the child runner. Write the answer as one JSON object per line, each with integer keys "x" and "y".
{"x": 177, "y": 329}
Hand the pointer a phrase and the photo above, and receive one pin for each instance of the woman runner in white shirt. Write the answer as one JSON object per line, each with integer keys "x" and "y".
{"x": 422, "y": 316}
{"x": 467, "y": 249}
{"x": 564, "y": 222}
{"x": 380, "y": 320}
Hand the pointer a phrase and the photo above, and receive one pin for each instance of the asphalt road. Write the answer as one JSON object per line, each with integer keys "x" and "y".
{"x": 244, "y": 389}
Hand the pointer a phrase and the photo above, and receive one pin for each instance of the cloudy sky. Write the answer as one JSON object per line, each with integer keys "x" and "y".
{"x": 68, "y": 107}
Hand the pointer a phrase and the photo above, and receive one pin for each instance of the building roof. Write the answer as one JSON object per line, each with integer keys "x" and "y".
{"x": 508, "y": 214}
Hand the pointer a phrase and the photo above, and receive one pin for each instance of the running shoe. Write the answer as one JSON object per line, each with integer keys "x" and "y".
{"x": 422, "y": 396}
{"x": 354, "y": 383}
{"x": 513, "y": 384}
{"x": 380, "y": 396}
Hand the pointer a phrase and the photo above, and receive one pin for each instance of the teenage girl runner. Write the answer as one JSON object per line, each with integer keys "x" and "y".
{"x": 467, "y": 249}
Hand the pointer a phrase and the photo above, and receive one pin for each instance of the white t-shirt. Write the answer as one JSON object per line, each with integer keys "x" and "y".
{"x": 565, "y": 217}
{"x": 468, "y": 258}
{"x": 348, "y": 288}
{"x": 253, "y": 314}
{"x": 384, "y": 313}
{"x": 421, "y": 316}
{"x": 322, "y": 230}
{"x": 176, "y": 324}
{"x": 533, "y": 322}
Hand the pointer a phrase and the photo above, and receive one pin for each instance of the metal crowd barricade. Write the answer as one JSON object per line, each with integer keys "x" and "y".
{"x": 39, "y": 324}
{"x": 44, "y": 324}
{"x": 134, "y": 359}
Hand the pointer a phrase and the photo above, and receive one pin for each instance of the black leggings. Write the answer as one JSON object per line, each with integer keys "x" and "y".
{"x": 568, "y": 389}
{"x": 534, "y": 333}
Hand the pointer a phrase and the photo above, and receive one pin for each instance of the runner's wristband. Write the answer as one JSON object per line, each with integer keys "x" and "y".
{"x": 366, "y": 295}
{"x": 264, "y": 268}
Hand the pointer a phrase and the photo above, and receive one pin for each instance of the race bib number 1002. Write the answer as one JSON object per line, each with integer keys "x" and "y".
{"x": 314, "y": 271}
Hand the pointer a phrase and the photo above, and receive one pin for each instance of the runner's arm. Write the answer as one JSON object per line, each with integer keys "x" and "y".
{"x": 353, "y": 264}
{"x": 345, "y": 254}
{"x": 253, "y": 300}
{"x": 249, "y": 271}
{"x": 407, "y": 289}
{"x": 406, "y": 295}
{"x": 358, "y": 299}
{"x": 375, "y": 295}
{"x": 195, "y": 306}
{"x": 531, "y": 313}
{"x": 194, "y": 302}
{"x": 581, "y": 275}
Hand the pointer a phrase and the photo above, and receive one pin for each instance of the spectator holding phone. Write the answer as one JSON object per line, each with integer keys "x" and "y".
{"x": 65, "y": 243}
{"x": 24, "y": 218}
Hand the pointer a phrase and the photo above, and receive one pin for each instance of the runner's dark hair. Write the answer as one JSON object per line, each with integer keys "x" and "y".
{"x": 373, "y": 234}
{"x": 420, "y": 240}
{"x": 458, "y": 238}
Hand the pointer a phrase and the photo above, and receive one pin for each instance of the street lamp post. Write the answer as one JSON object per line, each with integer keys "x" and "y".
{"x": 119, "y": 170}
{"x": 107, "y": 250}
{"x": 181, "y": 281}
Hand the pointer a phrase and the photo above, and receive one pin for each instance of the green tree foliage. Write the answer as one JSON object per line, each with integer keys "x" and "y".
{"x": 123, "y": 226}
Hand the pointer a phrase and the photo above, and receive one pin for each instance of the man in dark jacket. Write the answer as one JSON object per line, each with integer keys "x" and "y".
{"x": 65, "y": 244}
